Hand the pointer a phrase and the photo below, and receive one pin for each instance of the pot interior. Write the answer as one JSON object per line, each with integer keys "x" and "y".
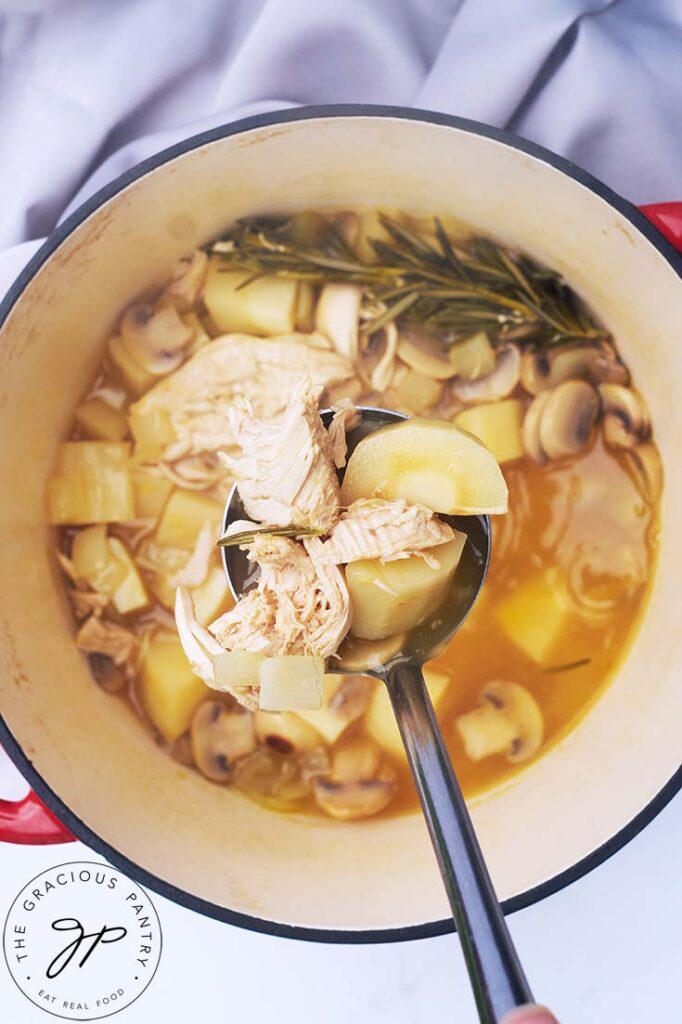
{"x": 90, "y": 749}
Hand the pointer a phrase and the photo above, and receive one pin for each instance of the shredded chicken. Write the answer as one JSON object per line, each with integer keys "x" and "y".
{"x": 87, "y": 602}
{"x": 264, "y": 370}
{"x": 196, "y": 472}
{"x": 67, "y": 566}
{"x": 345, "y": 418}
{"x": 195, "y": 569}
{"x": 134, "y": 531}
{"x": 285, "y": 474}
{"x": 97, "y": 636}
{"x": 373, "y": 528}
{"x": 299, "y": 606}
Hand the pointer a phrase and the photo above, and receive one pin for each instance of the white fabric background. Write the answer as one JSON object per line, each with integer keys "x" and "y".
{"x": 90, "y": 87}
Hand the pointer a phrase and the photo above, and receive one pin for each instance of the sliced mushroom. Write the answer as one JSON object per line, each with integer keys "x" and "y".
{"x": 155, "y": 338}
{"x": 187, "y": 280}
{"x": 360, "y": 798}
{"x": 498, "y": 384}
{"x": 181, "y": 750}
{"x": 337, "y": 316}
{"x": 597, "y": 362}
{"x": 508, "y": 722}
{"x": 626, "y": 420}
{"x": 285, "y": 732}
{"x": 110, "y": 677}
{"x": 425, "y": 353}
{"x": 568, "y": 419}
{"x": 646, "y": 469}
{"x": 221, "y": 735}
{"x": 560, "y": 422}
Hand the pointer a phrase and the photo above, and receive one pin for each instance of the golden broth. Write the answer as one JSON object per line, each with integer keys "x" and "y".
{"x": 568, "y": 578}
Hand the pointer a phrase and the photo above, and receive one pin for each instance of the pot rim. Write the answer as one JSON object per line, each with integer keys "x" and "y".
{"x": 11, "y": 745}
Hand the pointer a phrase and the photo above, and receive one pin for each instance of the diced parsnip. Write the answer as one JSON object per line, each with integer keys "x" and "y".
{"x": 100, "y": 421}
{"x": 329, "y": 722}
{"x": 134, "y": 378}
{"x": 305, "y": 307}
{"x": 169, "y": 689}
{"x": 535, "y": 616}
{"x": 380, "y": 720}
{"x": 212, "y": 597}
{"x": 497, "y": 425}
{"x": 152, "y": 430}
{"x": 474, "y": 357}
{"x": 307, "y": 227}
{"x": 417, "y": 391}
{"x": 389, "y": 597}
{"x": 429, "y": 463}
{"x": 151, "y": 491}
{"x": 484, "y": 731}
{"x": 91, "y": 483}
{"x": 95, "y": 562}
{"x": 371, "y": 227}
{"x": 185, "y": 514}
{"x": 131, "y": 594}
{"x": 265, "y": 306}
{"x": 162, "y": 590}
{"x": 291, "y": 682}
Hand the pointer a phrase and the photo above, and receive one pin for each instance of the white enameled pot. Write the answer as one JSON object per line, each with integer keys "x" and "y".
{"x": 87, "y": 756}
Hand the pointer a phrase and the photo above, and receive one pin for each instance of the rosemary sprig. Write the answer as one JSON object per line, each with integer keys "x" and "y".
{"x": 248, "y": 536}
{"x": 452, "y": 288}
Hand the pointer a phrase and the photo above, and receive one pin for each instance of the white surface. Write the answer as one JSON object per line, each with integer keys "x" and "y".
{"x": 86, "y": 90}
{"x": 606, "y": 950}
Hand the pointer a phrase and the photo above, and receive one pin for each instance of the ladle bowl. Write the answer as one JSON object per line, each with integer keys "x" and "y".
{"x": 496, "y": 975}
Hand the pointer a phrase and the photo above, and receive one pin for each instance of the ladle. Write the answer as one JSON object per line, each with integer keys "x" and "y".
{"x": 496, "y": 975}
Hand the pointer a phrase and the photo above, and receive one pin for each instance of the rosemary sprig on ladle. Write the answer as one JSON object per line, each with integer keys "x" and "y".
{"x": 453, "y": 288}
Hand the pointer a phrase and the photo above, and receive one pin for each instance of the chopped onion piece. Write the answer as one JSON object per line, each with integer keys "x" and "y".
{"x": 291, "y": 682}
{"x": 235, "y": 671}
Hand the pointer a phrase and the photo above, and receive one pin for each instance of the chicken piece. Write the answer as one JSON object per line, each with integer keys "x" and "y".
{"x": 299, "y": 606}
{"x": 195, "y": 569}
{"x": 97, "y": 636}
{"x": 197, "y": 472}
{"x": 345, "y": 418}
{"x": 374, "y": 528}
{"x": 285, "y": 473}
{"x": 264, "y": 370}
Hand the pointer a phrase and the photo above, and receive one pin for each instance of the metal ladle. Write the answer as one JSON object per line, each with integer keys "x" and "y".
{"x": 495, "y": 971}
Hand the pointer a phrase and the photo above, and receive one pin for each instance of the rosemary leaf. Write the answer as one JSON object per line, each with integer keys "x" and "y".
{"x": 248, "y": 536}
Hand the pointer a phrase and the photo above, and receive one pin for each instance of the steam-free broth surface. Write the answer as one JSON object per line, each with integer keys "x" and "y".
{"x": 571, "y": 560}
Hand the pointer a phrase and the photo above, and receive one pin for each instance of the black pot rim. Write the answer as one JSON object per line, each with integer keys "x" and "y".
{"x": 43, "y": 790}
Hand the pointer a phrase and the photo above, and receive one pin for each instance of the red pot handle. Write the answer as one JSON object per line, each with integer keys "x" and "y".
{"x": 667, "y": 217}
{"x": 29, "y": 821}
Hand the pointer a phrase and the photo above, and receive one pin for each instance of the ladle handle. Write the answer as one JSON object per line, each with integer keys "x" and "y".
{"x": 495, "y": 971}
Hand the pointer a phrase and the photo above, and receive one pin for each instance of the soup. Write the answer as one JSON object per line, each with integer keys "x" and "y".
{"x": 391, "y": 311}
